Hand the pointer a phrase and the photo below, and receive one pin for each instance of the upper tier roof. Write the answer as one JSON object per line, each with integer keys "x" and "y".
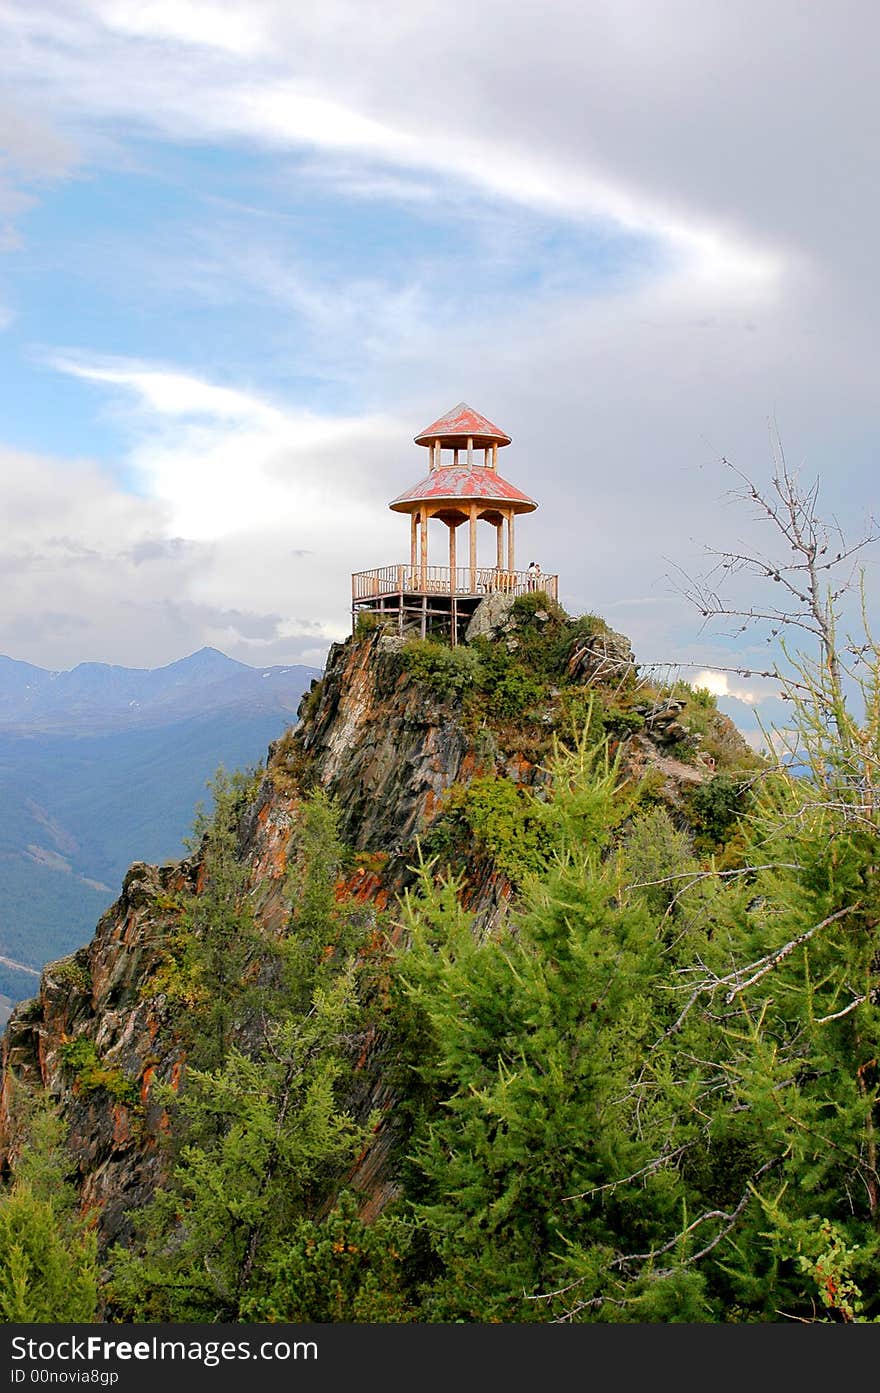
{"x": 457, "y": 482}
{"x": 461, "y": 424}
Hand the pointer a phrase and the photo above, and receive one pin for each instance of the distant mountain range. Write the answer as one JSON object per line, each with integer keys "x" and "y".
{"x": 100, "y": 697}
{"x": 103, "y": 765}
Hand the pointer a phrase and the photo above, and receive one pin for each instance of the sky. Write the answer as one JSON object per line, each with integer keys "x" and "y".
{"x": 248, "y": 251}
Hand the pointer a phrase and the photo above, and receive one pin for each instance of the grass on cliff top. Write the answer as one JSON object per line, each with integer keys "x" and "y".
{"x": 529, "y": 654}
{"x": 523, "y": 684}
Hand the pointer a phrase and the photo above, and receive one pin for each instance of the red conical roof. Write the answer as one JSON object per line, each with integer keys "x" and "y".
{"x": 461, "y": 424}
{"x": 457, "y": 483}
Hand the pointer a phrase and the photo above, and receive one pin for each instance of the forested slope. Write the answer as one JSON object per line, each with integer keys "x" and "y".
{"x": 514, "y": 988}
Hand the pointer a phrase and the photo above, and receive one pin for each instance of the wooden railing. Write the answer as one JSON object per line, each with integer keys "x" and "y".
{"x": 442, "y": 580}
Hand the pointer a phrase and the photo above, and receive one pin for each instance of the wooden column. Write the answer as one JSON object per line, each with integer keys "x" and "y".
{"x": 452, "y": 558}
{"x": 470, "y": 452}
{"x": 473, "y": 547}
{"x": 511, "y": 565}
{"x": 499, "y": 545}
{"x": 413, "y": 542}
{"x": 423, "y": 558}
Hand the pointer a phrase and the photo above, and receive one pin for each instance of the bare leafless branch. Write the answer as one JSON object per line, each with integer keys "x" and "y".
{"x": 666, "y": 1159}
{"x": 738, "y": 981}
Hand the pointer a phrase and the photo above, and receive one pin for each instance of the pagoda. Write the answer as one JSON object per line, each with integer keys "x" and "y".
{"x": 462, "y": 487}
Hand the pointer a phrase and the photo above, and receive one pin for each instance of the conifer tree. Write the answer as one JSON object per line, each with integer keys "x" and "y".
{"x": 267, "y": 1131}
{"x": 536, "y": 1039}
{"x": 48, "y": 1266}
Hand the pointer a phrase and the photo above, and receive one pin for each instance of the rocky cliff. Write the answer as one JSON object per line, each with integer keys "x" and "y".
{"x": 389, "y": 731}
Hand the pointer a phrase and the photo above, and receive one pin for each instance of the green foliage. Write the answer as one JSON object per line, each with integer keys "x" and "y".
{"x": 323, "y": 932}
{"x": 339, "y": 1269}
{"x": 656, "y": 860}
{"x": 366, "y": 624}
{"x": 520, "y": 677}
{"x": 496, "y": 818}
{"x": 48, "y": 1261}
{"x": 45, "y": 1276}
{"x": 703, "y": 698}
{"x": 267, "y": 1137}
{"x": 650, "y": 1094}
{"x": 536, "y": 602}
{"x": 207, "y": 978}
{"x": 657, "y": 1097}
{"x": 620, "y": 722}
{"x": 444, "y": 671}
{"x": 580, "y": 715}
{"x": 714, "y": 807}
{"x": 516, "y": 692}
{"x": 509, "y": 823}
{"x": 529, "y": 1040}
{"x": 74, "y": 973}
{"x": 829, "y": 1262}
{"x": 80, "y": 1056}
{"x": 267, "y": 1128}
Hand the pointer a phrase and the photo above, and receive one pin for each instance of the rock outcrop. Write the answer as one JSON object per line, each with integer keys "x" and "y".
{"x": 389, "y": 748}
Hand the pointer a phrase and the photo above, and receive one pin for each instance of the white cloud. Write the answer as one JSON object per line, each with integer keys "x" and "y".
{"x": 246, "y": 510}
{"x": 92, "y": 572}
{"x": 752, "y": 164}
{"x": 176, "y": 393}
{"x": 233, "y": 463}
{"x": 721, "y": 685}
{"x": 275, "y": 75}
{"x": 194, "y": 22}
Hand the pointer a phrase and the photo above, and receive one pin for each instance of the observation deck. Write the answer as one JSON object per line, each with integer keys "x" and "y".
{"x": 423, "y": 600}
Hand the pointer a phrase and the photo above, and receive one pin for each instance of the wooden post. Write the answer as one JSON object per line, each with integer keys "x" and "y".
{"x": 470, "y": 452}
{"x": 424, "y": 616}
{"x": 510, "y": 557}
{"x": 452, "y": 558}
{"x": 424, "y": 551}
{"x": 473, "y": 545}
{"x": 413, "y": 553}
{"x": 495, "y": 455}
{"x": 499, "y": 545}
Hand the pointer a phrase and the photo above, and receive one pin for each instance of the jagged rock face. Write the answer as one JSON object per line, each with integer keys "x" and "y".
{"x": 105, "y": 994}
{"x": 388, "y": 750}
{"x": 98, "y": 994}
{"x": 385, "y": 750}
{"x": 388, "y": 754}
